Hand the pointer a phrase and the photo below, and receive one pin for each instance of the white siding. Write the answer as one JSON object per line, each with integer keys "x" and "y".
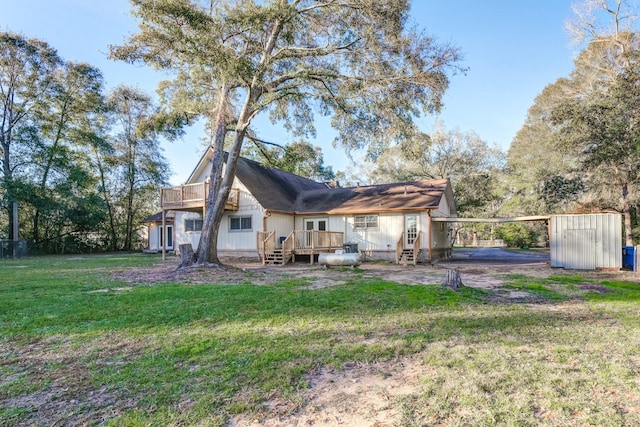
{"x": 281, "y": 223}
{"x": 573, "y": 246}
{"x": 242, "y": 242}
{"x": 382, "y": 238}
{"x": 443, "y": 208}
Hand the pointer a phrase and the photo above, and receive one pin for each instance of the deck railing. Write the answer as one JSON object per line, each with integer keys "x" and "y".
{"x": 193, "y": 196}
{"x": 416, "y": 248}
{"x": 399, "y": 248}
{"x": 313, "y": 239}
{"x": 266, "y": 242}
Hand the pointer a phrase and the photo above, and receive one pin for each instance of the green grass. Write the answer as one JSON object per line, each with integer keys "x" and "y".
{"x": 77, "y": 345}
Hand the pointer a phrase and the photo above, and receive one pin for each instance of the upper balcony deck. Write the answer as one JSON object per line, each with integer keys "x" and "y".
{"x": 193, "y": 197}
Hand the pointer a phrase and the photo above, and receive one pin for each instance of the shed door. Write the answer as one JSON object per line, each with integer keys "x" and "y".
{"x": 580, "y": 249}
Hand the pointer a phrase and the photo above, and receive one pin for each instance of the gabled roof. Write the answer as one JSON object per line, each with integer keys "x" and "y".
{"x": 281, "y": 191}
{"x": 274, "y": 189}
{"x": 374, "y": 198}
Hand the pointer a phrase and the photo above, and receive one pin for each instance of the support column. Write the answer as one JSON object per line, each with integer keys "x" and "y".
{"x": 430, "y": 237}
{"x": 163, "y": 236}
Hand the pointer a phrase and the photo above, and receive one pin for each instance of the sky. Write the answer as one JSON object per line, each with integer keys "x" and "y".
{"x": 512, "y": 49}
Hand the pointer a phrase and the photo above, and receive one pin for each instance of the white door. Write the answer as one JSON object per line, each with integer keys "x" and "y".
{"x": 410, "y": 230}
{"x": 314, "y": 225}
{"x": 169, "y": 235}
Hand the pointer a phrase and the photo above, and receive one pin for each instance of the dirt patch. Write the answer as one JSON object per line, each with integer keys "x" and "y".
{"x": 594, "y": 287}
{"x": 358, "y": 395}
{"x": 65, "y": 393}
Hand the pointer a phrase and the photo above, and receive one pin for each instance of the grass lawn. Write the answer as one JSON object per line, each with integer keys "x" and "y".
{"x": 80, "y": 347}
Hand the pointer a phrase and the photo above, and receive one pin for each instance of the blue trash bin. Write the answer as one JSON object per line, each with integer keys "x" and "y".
{"x": 628, "y": 257}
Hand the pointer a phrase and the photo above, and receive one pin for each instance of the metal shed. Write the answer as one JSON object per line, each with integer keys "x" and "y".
{"x": 586, "y": 242}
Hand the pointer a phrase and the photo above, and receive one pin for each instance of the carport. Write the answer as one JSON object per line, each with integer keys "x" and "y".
{"x": 576, "y": 241}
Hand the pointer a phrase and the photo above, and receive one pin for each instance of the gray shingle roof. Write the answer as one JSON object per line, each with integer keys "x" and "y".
{"x": 280, "y": 191}
{"x": 373, "y": 198}
{"x": 275, "y": 190}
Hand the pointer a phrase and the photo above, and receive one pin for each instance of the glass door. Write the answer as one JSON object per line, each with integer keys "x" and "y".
{"x": 410, "y": 230}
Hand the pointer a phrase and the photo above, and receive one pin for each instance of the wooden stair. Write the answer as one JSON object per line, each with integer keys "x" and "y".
{"x": 276, "y": 257}
{"x": 407, "y": 257}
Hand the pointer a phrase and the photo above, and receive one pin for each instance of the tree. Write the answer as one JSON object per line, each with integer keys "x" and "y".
{"x": 27, "y": 67}
{"x": 578, "y": 147}
{"x": 544, "y": 176}
{"x": 607, "y": 128}
{"x": 137, "y": 167}
{"x": 600, "y": 118}
{"x": 472, "y": 165}
{"x": 300, "y": 157}
{"x": 355, "y": 59}
{"x": 63, "y": 120}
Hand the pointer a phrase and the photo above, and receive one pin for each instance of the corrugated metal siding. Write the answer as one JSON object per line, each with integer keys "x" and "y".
{"x": 600, "y": 248}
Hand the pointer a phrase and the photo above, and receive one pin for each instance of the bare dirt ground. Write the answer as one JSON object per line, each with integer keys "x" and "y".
{"x": 363, "y": 394}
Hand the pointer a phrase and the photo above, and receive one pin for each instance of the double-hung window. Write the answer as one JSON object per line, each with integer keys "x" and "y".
{"x": 192, "y": 225}
{"x": 240, "y": 223}
{"x": 365, "y": 221}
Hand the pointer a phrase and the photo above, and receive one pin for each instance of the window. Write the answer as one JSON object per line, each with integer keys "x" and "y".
{"x": 240, "y": 223}
{"x": 192, "y": 225}
{"x": 366, "y": 221}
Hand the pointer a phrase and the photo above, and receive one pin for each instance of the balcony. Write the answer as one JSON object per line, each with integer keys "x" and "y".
{"x": 193, "y": 197}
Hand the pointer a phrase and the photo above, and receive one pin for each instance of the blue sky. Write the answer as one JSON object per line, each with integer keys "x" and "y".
{"x": 513, "y": 49}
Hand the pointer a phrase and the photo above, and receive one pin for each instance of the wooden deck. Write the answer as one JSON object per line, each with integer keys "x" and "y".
{"x": 299, "y": 242}
{"x": 193, "y": 197}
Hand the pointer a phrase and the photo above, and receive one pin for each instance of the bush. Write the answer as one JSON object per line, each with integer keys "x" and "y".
{"x": 517, "y": 235}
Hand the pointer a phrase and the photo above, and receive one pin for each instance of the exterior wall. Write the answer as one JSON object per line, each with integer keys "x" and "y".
{"x": 153, "y": 243}
{"x": 230, "y": 243}
{"x": 440, "y": 232}
{"x": 282, "y": 224}
{"x": 378, "y": 244}
{"x": 586, "y": 241}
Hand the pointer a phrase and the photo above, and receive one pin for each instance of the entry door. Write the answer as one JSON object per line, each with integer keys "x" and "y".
{"x": 410, "y": 230}
{"x": 314, "y": 225}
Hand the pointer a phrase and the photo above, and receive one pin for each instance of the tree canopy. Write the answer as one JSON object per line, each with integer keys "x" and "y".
{"x": 61, "y": 153}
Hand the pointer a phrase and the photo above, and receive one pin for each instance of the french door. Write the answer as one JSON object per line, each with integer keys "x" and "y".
{"x": 410, "y": 230}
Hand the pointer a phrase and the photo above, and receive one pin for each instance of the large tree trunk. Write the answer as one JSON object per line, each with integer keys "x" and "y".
{"x": 207, "y": 245}
{"x": 221, "y": 185}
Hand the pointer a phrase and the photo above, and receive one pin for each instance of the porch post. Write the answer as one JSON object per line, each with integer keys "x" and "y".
{"x": 429, "y": 254}
{"x": 163, "y": 236}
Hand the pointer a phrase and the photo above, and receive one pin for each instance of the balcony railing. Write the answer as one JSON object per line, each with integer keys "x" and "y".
{"x": 191, "y": 196}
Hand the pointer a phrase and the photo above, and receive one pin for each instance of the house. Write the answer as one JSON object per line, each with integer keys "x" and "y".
{"x": 279, "y": 216}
